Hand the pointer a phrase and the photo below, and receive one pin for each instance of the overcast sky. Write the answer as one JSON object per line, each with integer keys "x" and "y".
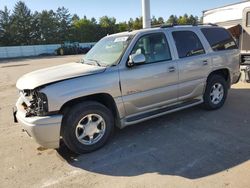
{"x": 122, "y": 9}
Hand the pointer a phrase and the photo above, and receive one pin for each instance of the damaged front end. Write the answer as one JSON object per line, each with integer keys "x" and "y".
{"x": 35, "y": 103}
{"x": 31, "y": 112}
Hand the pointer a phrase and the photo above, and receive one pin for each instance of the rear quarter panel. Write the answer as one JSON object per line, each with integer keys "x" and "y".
{"x": 228, "y": 59}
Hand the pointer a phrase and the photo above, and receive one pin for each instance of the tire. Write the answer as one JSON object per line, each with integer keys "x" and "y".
{"x": 61, "y": 51}
{"x": 91, "y": 119}
{"x": 216, "y": 92}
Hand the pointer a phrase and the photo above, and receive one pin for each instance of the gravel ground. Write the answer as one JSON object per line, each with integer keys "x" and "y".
{"x": 191, "y": 148}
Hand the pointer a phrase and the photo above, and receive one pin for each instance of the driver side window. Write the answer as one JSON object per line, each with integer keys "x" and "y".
{"x": 154, "y": 47}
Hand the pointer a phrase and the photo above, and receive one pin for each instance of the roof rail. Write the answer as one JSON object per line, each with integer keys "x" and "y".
{"x": 167, "y": 25}
{"x": 211, "y": 24}
{"x": 173, "y": 25}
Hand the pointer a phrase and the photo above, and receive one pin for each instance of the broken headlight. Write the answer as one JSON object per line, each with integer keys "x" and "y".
{"x": 35, "y": 103}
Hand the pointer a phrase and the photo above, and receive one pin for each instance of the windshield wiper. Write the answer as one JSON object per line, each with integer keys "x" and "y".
{"x": 96, "y": 61}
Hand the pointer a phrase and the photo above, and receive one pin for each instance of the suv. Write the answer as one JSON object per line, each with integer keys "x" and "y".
{"x": 125, "y": 79}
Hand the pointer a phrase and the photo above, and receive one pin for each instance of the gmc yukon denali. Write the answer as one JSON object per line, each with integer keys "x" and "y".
{"x": 127, "y": 78}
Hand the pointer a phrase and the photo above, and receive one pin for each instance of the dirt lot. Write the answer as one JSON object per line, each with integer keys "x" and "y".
{"x": 191, "y": 148}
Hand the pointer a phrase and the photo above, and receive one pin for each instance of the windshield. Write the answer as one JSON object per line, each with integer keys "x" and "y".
{"x": 108, "y": 50}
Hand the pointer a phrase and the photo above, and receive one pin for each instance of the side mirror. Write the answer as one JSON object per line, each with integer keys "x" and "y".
{"x": 136, "y": 59}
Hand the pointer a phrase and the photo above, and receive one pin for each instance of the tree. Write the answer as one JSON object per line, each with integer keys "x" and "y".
{"x": 123, "y": 26}
{"x": 130, "y": 24}
{"x": 75, "y": 17}
{"x": 161, "y": 20}
{"x": 106, "y": 21}
{"x": 22, "y": 24}
{"x": 84, "y": 30}
{"x": 47, "y": 26}
{"x": 183, "y": 20}
{"x": 63, "y": 22}
{"x": 157, "y": 22}
{"x": 200, "y": 20}
{"x": 5, "y": 27}
{"x": 108, "y": 25}
{"x": 135, "y": 24}
{"x": 172, "y": 20}
{"x": 193, "y": 20}
{"x": 36, "y": 31}
{"x": 154, "y": 21}
{"x": 23, "y": 27}
{"x": 93, "y": 21}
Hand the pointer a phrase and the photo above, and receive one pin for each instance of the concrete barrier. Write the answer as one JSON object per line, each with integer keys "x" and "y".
{"x": 32, "y": 50}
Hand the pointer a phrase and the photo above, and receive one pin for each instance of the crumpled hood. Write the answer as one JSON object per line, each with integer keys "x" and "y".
{"x": 56, "y": 73}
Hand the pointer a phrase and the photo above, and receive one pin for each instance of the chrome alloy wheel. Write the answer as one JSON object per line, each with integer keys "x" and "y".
{"x": 90, "y": 129}
{"x": 217, "y": 93}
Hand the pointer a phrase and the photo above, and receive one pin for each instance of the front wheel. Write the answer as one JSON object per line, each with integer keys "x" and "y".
{"x": 87, "y": 127}
{"x": 216, "y": 92}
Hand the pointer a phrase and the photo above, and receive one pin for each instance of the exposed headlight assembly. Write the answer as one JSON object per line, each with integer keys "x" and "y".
{"x": 34, "y": 102}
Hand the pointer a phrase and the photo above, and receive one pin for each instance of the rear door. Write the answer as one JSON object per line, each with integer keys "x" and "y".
{"x": 193, "y": 62}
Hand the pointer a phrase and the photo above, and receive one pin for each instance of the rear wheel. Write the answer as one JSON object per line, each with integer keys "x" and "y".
{"x": 87, "y": 127}
{"x": 216, "y": 92}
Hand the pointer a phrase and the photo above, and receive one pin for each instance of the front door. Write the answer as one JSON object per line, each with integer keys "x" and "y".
{"x": 154, "y": 83}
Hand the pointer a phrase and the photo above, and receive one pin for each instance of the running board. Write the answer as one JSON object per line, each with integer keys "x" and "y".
{"x": 159, "y": 112}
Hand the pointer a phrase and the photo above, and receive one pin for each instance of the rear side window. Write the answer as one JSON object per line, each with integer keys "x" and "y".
{"x": 219, "y": 39}
{"x": 187, "y": 44}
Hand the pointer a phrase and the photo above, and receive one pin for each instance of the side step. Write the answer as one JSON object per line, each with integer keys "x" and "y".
{"x": 161, "y": 111}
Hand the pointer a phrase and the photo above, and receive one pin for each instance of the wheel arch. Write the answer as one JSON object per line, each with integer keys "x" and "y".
{"x": 224, "y": 72}
{"x": 103, "y": 98}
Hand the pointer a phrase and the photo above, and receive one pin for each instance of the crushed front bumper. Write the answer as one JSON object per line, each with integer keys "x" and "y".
{"x": 44, "y": 130}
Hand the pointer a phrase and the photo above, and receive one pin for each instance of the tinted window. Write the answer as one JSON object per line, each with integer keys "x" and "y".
{"x": 219, "y": 39}
{"x": 187, "y": 44}
{"x": 248, "y": 19}
{"x": 155, "y": 48}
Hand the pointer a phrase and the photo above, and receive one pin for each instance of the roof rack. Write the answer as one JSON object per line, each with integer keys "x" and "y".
{"x": 211, "y": 24}
{"x": 174, "y": 25}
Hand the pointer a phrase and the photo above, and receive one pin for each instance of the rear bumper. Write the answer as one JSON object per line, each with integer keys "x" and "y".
{"x": 44, "y": 130}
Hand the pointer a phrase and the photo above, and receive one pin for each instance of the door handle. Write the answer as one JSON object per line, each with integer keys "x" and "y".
{"x": 205, "y": 62}
{"x": 171, "y": 69}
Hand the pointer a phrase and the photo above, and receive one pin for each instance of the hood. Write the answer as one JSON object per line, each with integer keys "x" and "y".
{"x": 56, "y": 73}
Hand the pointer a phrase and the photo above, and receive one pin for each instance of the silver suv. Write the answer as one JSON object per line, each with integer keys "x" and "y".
{"x": 125, "y": 79}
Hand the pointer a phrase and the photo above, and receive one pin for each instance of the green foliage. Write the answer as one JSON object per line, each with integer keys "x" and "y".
{"x": 84, "y": 30}
{"x": 157, "y": 22}
{"x": 172, "y": 20}
{"x": 63, "y": 19}
{"x": 183, "y": 20}
{"x": 5, "y": 27}
{"x": 21, "y": 24}
{"x": 136, "y": 24}
{"x": 23, "y": 27}
{"x": 47, "y": 27}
